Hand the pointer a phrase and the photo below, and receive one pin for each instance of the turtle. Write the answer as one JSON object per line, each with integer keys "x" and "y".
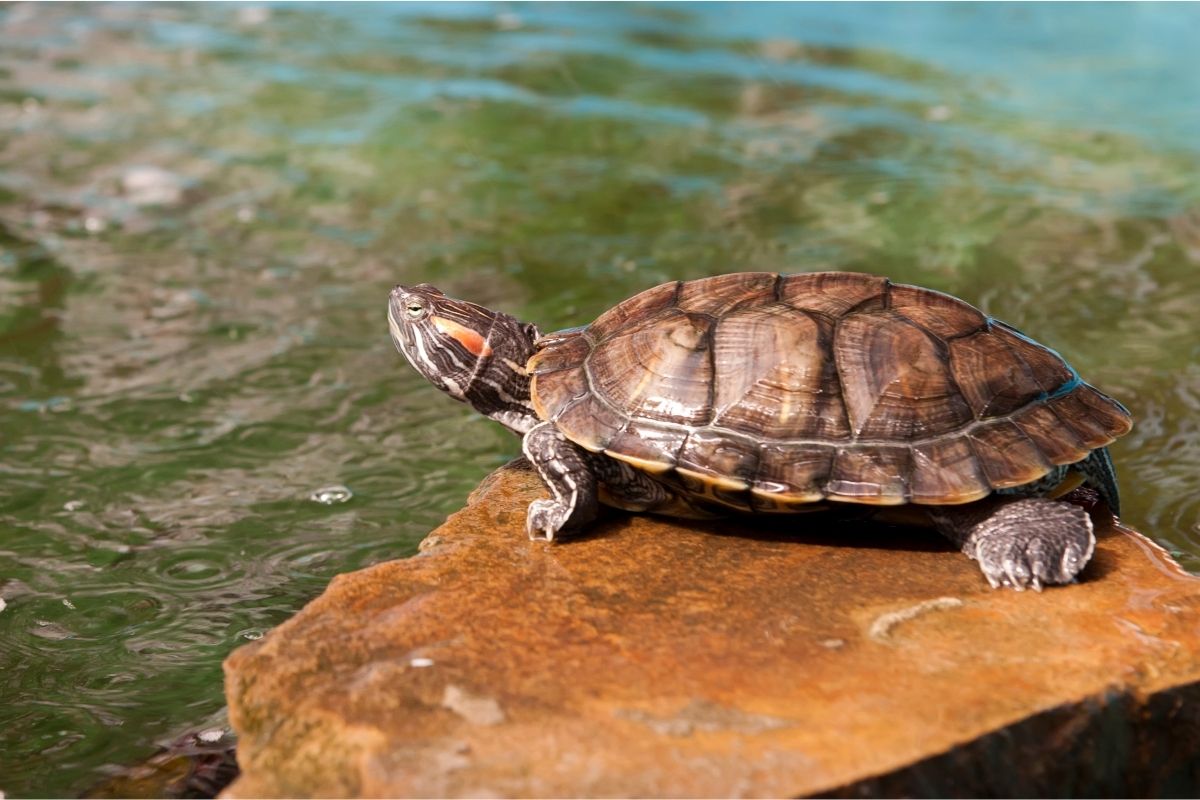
{"x": 765, "y": 393}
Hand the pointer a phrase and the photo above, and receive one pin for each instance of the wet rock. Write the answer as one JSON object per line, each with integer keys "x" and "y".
{"x": 653, "y": 658}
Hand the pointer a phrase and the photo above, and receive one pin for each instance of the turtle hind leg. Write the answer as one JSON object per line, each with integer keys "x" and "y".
{"x": 1020, "y": 541}
{"x": 565, "y": 469}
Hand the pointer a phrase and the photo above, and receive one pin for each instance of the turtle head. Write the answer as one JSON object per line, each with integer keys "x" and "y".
{"x": 471, "y": 353}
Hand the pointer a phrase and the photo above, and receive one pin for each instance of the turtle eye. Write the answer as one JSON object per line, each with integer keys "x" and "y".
{"x": 414, "y": 309}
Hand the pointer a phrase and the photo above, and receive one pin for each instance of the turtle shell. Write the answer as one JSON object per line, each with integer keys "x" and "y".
{"x": 767, "y": 392}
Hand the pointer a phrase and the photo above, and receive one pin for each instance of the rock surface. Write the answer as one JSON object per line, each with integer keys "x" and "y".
{"x": 658, "y": 659}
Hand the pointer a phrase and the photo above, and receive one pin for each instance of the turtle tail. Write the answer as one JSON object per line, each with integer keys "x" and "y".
{"x": 1100, "y": 474}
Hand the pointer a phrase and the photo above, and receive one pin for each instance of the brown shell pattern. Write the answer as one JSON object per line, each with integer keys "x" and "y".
{"x": 767, "y": 392}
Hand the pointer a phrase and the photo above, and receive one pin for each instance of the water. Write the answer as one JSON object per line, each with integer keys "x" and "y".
{"x": 202, "y": 208}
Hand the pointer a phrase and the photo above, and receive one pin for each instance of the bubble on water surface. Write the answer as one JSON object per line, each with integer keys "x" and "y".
{"x": 152, "y": 186}
{"x": 253, "y": 634}
{"x": 331, "y": 495}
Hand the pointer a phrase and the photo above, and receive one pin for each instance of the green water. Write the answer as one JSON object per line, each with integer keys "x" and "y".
{"x": 202, "y": 209}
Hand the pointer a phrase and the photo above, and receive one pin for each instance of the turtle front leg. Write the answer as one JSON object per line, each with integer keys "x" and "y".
{"x": 1020, "y": 541}
{"x": 566, "y": 471}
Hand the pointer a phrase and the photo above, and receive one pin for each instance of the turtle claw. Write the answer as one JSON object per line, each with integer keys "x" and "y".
{"x": 1016, "y": 574}
{"x": 1073, "y": 560}
{"x": 1038, "y": 569}
{"x": 545, "y": 519}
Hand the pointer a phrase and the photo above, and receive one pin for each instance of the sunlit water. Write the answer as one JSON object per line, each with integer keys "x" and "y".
{"x": 202, "y": 208}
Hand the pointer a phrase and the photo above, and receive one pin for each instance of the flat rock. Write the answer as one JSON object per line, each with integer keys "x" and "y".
{"x": 659, "y": 658}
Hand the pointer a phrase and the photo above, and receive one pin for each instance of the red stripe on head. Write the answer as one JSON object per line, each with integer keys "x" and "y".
{"x": 475, "y": 344}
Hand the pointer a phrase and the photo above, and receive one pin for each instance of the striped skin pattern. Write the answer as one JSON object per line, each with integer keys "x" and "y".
{"x": 472, "y": 353}
{"x": 764, "y": 392}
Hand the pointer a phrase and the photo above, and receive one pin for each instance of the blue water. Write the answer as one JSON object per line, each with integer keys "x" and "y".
{"x": 1131, "y": 68}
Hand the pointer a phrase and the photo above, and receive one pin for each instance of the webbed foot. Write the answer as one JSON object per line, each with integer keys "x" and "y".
{"x": 1026, "y": 542}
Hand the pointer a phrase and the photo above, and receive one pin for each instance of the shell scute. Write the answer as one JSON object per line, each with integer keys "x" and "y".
{"x": 1046, "y": 366}
{"x": 876, "y": 475}
{"x": 896, "y": 382}
{"x": 559, "y": 351}
{"x": 592, "y": 424}
{"x": 647, "y": 446}
{"x": 833, "y": 293}
{"x": 660, "y": 370}
{"x": 553, "y": 391}
{"x": 1057, "y": 441}
{"x": 728, "y": 461}
{"x": 793, "y": 472}
{"x": 994, "y": 380}
{"x": 946, "y": 471}
{"x": 938, "y": 313}
{"x": 1007, "y": 456}
{"x": 1095, "y": 418}
{"x": 775, "y": 375}
{"x": 639, "y": 308}
{"x": 724, "y": 293}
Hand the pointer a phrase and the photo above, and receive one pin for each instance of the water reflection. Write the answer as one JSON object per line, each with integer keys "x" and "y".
{"x": 202, "y": 207}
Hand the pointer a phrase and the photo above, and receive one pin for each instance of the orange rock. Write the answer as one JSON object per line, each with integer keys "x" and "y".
{"x": 654, "y": 658}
